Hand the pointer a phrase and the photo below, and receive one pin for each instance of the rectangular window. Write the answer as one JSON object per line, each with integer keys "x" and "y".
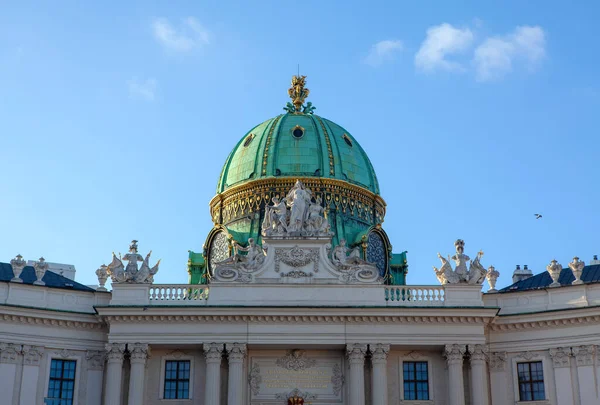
{"x": 531, "y": 381}
{"x": 177, "y": 379}
{"x": 62, "y": 382}
{"x": 416, "y": 380}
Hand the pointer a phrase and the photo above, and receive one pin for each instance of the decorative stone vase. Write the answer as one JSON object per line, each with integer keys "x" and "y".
{"x": 17, "y": 264}
{"x": 102, "y": 274}
{"x": 576, "y": 267}
{"x": 492, "y": 276}
{"x": 40, "y": 270}
{"x": 554, "y": 269}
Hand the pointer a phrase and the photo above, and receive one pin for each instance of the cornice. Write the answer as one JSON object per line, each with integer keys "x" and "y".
{"x": 397, "y": 319}
{"x": 92, "y": 324}
{"x": 545, "y": 323}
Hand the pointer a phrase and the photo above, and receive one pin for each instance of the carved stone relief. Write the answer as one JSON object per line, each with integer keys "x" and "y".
{"x": 498, "y": 361}
{"x": 9, "y": 353}
{"x": 255, "y": 379}
{"x": 295, "y": 360}
{"x": 584, "y": 355}
{"x": 32, "y": 355}
{"x": 297, "y": 257}
{"x": 95, "y": 359}
{"x": 561, "y": 357}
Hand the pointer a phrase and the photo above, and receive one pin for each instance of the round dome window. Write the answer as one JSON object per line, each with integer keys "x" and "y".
{"x": 298, "y": 132}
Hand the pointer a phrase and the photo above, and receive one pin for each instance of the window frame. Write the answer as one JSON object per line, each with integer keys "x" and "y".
{"x": 414, "y": 383}
{"x": 416, "y": 357}
{"x": 77, "y": 378}
{"x": 176, "y": 356}
{"x": 531, "y": 357}
{"x": 531, "y": 382}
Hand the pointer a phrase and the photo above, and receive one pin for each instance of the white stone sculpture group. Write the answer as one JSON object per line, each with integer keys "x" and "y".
{"x": 130, "y": 274}
{"x": 475, "y": 274}
{"x": 554, "y": 269}
{"x": 18, "y": 264}
{"x": 296, "y": 215}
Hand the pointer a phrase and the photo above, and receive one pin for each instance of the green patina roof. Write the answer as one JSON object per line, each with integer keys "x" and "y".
{"x": 324, "y": 150}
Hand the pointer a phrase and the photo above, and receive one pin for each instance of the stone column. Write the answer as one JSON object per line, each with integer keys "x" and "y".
{"x": 561, "y": 360}
{"x": 584, "y": 356}
{"x": 236, "y": 353}
{"x": 212, "y": 389}
{"x": 454, "y": 358}
{"x": 356, "y": 358}
{"x": 31, "y": 371}
{"x": 379, "y": 387}
{"x": 138, "y": 354}
{"x": 114, "y": 373}
{"x": 479, "y": 390}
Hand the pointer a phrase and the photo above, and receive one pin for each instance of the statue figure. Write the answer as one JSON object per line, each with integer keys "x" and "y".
{"x": 461, "y": 260}
{"x": 254, "y": 258}
{"x": 475, "y": 274}
{"x": 146, "y": 273}
{"x": 298, "y": 92}
{"x": 132, "y": 257}
{"x": 119, "y": 274}
{"x": 275, "y": 217}
{"x": 316, "y": 221}
{"x": 341, "y": 257}
{"x": 298, "y": 199}
{"x": 476, "y": 271}
{"x": 445, "y": 274}
{"x": 116, "y": 270}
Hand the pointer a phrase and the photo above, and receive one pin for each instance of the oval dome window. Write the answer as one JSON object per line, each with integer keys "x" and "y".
{"x": 298, "y": 132}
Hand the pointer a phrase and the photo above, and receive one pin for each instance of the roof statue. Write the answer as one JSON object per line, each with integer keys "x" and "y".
{"x": 475, "y": 274}
{"x": 298, "y": 93}
{"x": 298, "y": 214}
{"x": 132, "y": 274}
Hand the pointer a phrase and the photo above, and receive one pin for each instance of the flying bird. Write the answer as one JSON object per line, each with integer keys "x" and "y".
{"x": 538, "y": 216}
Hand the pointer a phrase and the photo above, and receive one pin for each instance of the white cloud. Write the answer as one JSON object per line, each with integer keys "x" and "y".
{"x": 145, "y": 90}
{"x": 383, "y": 51}
{"x": 189, "y": 35}
{"x": 494, "y": 57}
{"x": 441, "y": 41}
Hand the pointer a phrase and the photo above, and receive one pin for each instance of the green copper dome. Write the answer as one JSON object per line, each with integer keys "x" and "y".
{"x": 298, "y": 145}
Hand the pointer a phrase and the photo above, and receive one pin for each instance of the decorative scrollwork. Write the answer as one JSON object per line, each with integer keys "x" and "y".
{"x": 297, "y": 257}
{"x": 295, "y": 360}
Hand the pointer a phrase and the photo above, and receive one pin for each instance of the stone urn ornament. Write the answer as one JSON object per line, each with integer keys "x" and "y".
{"x": 40, "y": 270}
{"x": 17, "y": 264}
{"x": 576, "y": 267}
{"x": 102, "y": 274}
{"x": 491, "y": 277}
{"x": 554, "y": 269}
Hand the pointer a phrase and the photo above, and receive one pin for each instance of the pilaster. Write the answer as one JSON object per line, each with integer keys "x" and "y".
{"x": 584, "y": 358}
{"x": 32, "y": 356}
{"x": 10, "y": 371}
{"x": 561, "y": 360}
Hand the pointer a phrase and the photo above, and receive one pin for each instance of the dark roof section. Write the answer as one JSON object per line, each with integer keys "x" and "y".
{"x": 51, "y": 279}
{"x": 590, "y": 275}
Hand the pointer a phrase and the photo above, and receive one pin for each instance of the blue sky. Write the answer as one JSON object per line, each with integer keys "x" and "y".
{"x": 115, "y": 120}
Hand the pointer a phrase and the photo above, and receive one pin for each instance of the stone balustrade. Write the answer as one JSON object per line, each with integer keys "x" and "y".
{"x": 415, "y": 295}
{"x": 179, "y": 294}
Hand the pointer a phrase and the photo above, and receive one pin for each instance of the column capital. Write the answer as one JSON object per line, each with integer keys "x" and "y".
{"x": 236, "y": 352}
{"x": 561, "y": 357}
{"x": 478, "y": 353}
{"x": 10, "y": 352}
{"x": 379, "y": 352}
{"x": 32, "y": 355}
{"x": 454, "y": 353}
{"x": 356, "y": 352}
{"x": 138, "y": 352}
{"x": 115, "y": 352}
{"x": 213, "y": 352}
{"x": 584, "y": 355}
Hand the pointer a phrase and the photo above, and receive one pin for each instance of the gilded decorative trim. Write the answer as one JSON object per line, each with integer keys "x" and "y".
{"x": 268, "y": 144}
{"x": 338, "y": 195}
{"x": 329, "y": 150}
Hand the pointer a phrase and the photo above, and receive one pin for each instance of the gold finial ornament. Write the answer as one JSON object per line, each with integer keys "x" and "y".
{"x": 298, "y": 92}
